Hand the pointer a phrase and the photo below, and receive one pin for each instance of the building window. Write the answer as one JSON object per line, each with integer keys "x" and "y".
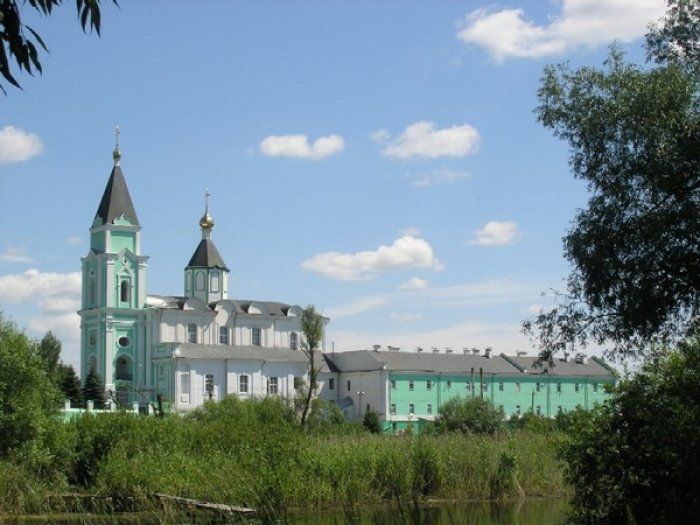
{"x": 468, "y": 385}
{"x": 123, "y": 372}
{"x": 272, "y": 385}
{"x": 429, "y": 384}
{"x": 595, "y": 387}
{"x": 367, "y": 408}
{"x": 517, "y": 410}
{"x": 243, "y": 384}
{"x": 185, "y": 383}
{"x": 560, "y": 410}
{"x": 538, "y": 411}
{"x": 191, "y": 333}
{"x": 91, "y": 288}
{"x": 392, "y": 409}
{"x": 429, "y": 409}
{"x": 209, "y": 386}
{"x": 411, "y": 409}
{"x": 199, "y": 281}
{"x": 92, "y": 338}
{"x": 124, "y": 290}
{"x": 214, "y": 282}
{"x": 410, "y": 384}
{"x": 517, "y": 387}
{"x": 559, "y": 387}
{"x": 223, "y": 335}
{"x": 393, "y": 383}
{"x": 348, "y": 385}
{"x": 124, "y": 341}
{"x": 161, "y": 372}
{"x": 294, "y": 341}
{"x": 187, "y": 282}
{"x": 576, "y": 387}
{"x": 484, "y": 387}
{"x": 500, "y": 386}
{"x": 537, "y": 386}
{"x": 448, "y": 384}
{"x": 256, "y": 336}
{"x": 331, "y": 383}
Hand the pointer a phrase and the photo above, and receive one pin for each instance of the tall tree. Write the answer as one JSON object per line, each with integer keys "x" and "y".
{"x": 50, "y": 351}
{"x": 634, "y": 137}
{"x": 93, "y": 389}
{"x": 18, "y": 41}
{"x": 312, "y": 329}
{"x": 69, "y": 384}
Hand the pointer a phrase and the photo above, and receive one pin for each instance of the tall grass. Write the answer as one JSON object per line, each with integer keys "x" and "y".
{"x": 254, "y": 453}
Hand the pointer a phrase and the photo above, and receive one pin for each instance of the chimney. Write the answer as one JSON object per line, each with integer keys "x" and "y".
{"x": 436, "y": 350}
{"x": 419, "y": 349}
{"x": 465, "y": 350}
{"x": 475, "y": 351}
{"x": 521, "y": 354}
{"x": 376, "y": 347}
{"x": 393, "y": 348}
{"x": 581, "y": 359}
{"x": 448, "y": 350}
{"x": 487, "y": 352}
{"x": 566, "y": 357}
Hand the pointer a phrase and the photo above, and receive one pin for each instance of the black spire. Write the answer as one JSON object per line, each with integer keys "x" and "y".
{"x": 116, "y": 200}
{"x": 206, "y": 256}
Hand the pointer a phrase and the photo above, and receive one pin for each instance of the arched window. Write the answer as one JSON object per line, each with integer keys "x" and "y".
{"x": 294, "y": 341}
{"x": 124, "y": 289}
{"x": 214, "y": 282}
{"x": 199, "y": 281}
{"x": 123, "y": 372}
{"x": 92, "y": 363}
{"x": 91, "y": 289}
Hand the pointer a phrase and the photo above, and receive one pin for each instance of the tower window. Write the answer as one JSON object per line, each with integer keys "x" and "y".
{"x": 124, "y": 341}
{"x": 293, "y": 340}
{"x": 124, "y": 289}
{"x": 191, "y": 333}
{"x": 223, "y": 335}
{"x": 256, "y": 336}
{"x": 199, "y": 281}
{"x": 124, "y": 369}
{"x": 214, "y": 282}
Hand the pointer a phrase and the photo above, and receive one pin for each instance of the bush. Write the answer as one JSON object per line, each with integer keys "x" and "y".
{"x": 371, "y": 422}
{"x": 471, "y": 416}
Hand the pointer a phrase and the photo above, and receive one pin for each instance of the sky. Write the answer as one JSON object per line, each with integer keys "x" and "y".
{"x": 380, "y": 160}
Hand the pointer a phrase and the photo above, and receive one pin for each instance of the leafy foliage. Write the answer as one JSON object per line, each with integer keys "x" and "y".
{"x": 93, "y": 389}
{"x": 468, "y": 415}
{"x": 371, "y": 422}
{"x": 19, "y": 41}
{"x": 637, "y": 455}
{"x": 634, "y": 137}
{"x": 312, "y": 329}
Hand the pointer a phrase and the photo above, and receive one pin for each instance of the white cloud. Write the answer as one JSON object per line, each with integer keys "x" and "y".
{"x": 415, "y": 283}
{"x": 441, "y": 176}
{"x": 17, "y": 145}
{"x": 508, "y": 33}
{"x": 411, "y": 231}
{"x": 380, "y": 136}
{"x": 16, "y": 254}
{"x": 74, "y": 240}
{"x": 299, "y": 146}
{"x": 404, "y": 252}
{"x": 404, "y": 318}
{"x": 496, "y": 233}
{"x": 425, "y": 140}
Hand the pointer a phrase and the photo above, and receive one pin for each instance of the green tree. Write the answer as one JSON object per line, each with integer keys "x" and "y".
{"x": 50, "y": 351}
{"x": 69, "y": 384}
{"x": 93, "y": 389}
{"x": 371, "y": 422}
{"x": 18, "y": 41}
{"x": 312, "y": 329}
{"x": 637, "y": 455}
{"x": 29, "y": 400}
{"x": 469, "y": 415}
{"x": 634, "y": 137}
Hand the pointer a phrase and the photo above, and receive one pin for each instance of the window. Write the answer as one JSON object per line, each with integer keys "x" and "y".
{"x": 595, "y": 387}
{"x": 393, "y": 383}
{"x": 411, "y": 409}
{"x": 123, "y": 372}
{"x": 91, "y": 288}
{"x": 367, "y": 408}
{"x": 272, "y": 387}
{"x": 410, "y": 384}
{"x": 294, "y": 341}
{"x": 537, "y": 386}
{"x": 191, "y": 333}
{"x": 348, "y": 385}
{"x": 199, "y": 281}
{"x": 500, "y": 386}
{"x": 576, "y": 387}
{"x": 468, "y": 385}
{"x": 92, "y": 338}
{"x": 161, "y": 372}
{"x": 448, "y": 384}
{"x": 124, "y": 341}
{"x": 256, "y": 336}
{"x": 517, "y": 387}
{"x": 517, "y": 410}
{"x": 429, "y": 384}
{"x": 209, "y": 386}
{"x": 560, "y": 410}
{"x": 214, "y": 282}
{"x": 223, "y": 335}
{"x": 124, "y": 290}
{"x": 538, "y": 411}
{"x": 484, "y": 387}
{"x": 392, "y": 409}
{"x": 429, "y": 409}
{"x": 331, "y": 383}
{"x": 185, "y": 383}
{"x": 243, "y": 384}
{"x": 559, "y": 387}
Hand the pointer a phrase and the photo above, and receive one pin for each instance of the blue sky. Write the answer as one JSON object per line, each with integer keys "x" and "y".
{"x": 430, "y": 212}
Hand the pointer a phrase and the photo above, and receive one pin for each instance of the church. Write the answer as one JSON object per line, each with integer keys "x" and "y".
{"x": 186, "y": 348}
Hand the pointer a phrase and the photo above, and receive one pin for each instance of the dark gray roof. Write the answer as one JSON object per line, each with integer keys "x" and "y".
{"x": 207, "y": 256}
{"x": 366, "y": 360}
{"x": 592, "y": 368}
{"x": 199, "y": 351}
{"x": 116, "y": 200}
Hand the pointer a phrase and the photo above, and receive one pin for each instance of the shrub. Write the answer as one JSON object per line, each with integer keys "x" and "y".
{"x": 371, "y": 422}
{"x": 472, "y": 416}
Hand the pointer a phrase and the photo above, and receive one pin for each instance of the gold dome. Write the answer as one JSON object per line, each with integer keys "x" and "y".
{"x": 206, "y": 222}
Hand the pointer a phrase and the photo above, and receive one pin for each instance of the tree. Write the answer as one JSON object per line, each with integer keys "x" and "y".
{"x": 634, "y": 137}
{"x": 468, "y": 415}
{"x": 29, "y": 400}
{"x": 312, "y": 329}
{"x": 19, "y": 41}
{"x": 371, "y": 422}
{"x": 637, "y": 455}
{"x": 49, "y": 351}
{"x": 93, "y": 389}
{"x": 69, "y": 384}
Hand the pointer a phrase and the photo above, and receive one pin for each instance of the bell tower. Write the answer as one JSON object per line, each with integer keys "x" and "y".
{"x": 114, "y": 290}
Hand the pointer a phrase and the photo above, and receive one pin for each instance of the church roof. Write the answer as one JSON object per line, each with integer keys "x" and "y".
{"x": 207, "y": 256}
{"x": 116, "y": 200}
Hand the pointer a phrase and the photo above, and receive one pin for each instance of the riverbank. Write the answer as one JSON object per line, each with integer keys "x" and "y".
{"x": 254, "y": 454}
